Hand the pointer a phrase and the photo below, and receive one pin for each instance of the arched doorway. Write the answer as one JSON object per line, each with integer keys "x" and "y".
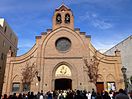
{"x": 63, "y": 84}
{"x": 62, "y": 78}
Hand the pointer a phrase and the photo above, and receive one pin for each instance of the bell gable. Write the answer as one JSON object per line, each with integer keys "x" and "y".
{"x": 63, "y": 17}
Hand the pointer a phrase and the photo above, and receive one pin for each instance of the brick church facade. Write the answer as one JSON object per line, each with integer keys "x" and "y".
{"x": 59, "y": 60}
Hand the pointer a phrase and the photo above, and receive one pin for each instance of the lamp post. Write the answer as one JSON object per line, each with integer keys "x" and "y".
{"x": 38, "y": 78}
{"x": 123, "y": 69}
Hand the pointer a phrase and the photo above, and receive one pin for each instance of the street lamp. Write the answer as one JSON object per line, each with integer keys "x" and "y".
{"x": 123, "y": 69}
{"x": 37, "y": 75}
{"x": 38, "y": 78}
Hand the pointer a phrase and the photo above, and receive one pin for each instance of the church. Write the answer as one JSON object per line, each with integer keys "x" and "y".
{"x": 62, "y": 58}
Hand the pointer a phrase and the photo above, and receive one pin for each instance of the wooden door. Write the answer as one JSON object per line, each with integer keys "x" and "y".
{"x": 100, "y": 87}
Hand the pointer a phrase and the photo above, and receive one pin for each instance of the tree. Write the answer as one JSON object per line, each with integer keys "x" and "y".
{"x": 28, "y": 73}
{"x": 92, "y": 69}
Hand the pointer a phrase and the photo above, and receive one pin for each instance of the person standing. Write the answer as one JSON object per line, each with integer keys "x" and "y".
{"x": 98, "y": 96}
{"x": 121, "y": 95}
{"x": 14, "y": 96}
{"x": 93, "y": 95}
{"x": 131, "y": 94}
{"x": 88, "y": 94}
{"x": 5, "y": 96}
{"x": 41, "y": 96}
{"x": 106, "y": 95}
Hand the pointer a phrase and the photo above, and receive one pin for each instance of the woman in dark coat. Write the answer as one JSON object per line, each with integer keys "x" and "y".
{"x": 106, "y": 95}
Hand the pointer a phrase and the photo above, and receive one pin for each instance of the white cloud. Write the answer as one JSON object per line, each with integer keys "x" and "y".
{"x": 96, "y": 21}
{"x": 101, "y": 24}
{"x": 103, "y": 46}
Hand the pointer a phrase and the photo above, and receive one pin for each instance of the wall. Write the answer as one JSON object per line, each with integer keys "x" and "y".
{"x": 8, "y": 40}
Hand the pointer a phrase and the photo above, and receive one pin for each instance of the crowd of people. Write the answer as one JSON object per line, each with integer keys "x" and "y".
{"x": 70, "y": 94}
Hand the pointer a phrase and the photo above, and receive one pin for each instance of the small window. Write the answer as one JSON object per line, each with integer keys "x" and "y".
{"x": 2, "y": 56}
{"x": 5, "y": 29}
{"x": 131, "y": 79}
{"x": 10, "y": 48}
{"x": 58, "y": 19}
{"x": 26, "y": 86}
{"x": 12, "y": 53}
{"x": 4, "y": 44}
{"x": 67, "y": 18}
{"x": 15, "y": 87}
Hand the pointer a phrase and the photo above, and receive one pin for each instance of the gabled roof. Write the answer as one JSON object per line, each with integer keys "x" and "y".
{"x": 63, "y": 8}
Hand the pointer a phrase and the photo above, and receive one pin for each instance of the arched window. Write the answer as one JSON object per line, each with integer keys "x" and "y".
{"x": 58, "y": 19}
{"x": 67, "y": 18}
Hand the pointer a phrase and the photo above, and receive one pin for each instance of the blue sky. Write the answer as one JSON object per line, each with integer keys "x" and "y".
{"x": 107, "y": 21}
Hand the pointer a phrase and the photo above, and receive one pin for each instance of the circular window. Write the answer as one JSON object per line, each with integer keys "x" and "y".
{"x": 63, "y": 44}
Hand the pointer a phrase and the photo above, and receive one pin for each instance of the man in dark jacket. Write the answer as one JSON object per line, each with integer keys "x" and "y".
{"x": 93, "y": 95}
{"x": 121, "y": 95}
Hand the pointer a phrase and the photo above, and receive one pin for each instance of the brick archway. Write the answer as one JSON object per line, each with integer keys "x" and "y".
{"x": 72, "y": 75}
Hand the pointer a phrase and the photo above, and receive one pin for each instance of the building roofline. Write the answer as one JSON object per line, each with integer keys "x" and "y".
{"x": 119, "y": 43}
{"x": 62, "y": 5}
{"x": 10, "y": 28}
